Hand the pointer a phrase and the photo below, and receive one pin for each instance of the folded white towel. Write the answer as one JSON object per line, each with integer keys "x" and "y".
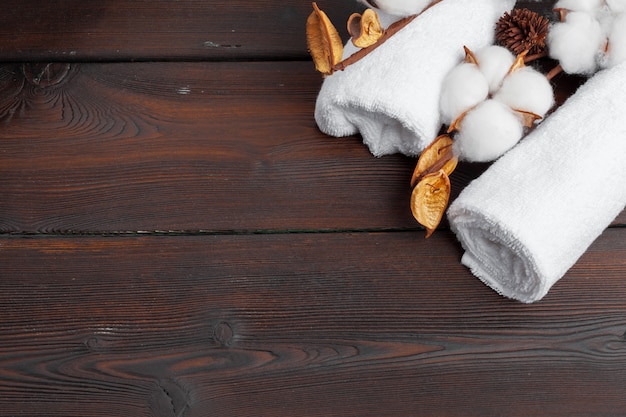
{"x": 391, "y": 96}
{"x": 535, "y": 211}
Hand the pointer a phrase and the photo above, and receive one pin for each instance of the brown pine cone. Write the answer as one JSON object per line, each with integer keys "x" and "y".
{"x": 521, "y": 30}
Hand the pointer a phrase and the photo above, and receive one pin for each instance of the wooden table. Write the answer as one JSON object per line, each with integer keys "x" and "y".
{"x": 179, "y": 239}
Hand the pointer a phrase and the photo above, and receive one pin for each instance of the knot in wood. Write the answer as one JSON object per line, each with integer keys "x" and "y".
{"x": 45, "y": 75}
{"x": 223, "y": 334}
{"x": 96, "y": 344}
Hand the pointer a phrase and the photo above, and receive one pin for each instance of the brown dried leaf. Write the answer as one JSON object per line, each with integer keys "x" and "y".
{"x": 562, "y": 13}
{"x": 528, "y": 118}
{"x": 470, "y": 58}
{"x": 456, "y": 123}
{"x": 438, "y": 155}
{"x": 323, "y": 41}
{"x": 519, "y": 63}
{"x": 429, "y": 200}
{"x": 365, "y": 29}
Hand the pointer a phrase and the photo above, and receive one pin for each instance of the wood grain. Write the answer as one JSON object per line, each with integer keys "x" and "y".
{"x": 117, "y": 30}
{"x": 175, "y": 146}
{"x": 90, "y": 148}
{"x": 279, "y": 325}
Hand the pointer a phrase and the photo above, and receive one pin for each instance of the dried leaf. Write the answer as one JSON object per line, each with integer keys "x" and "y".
{"x": 365, "y": 29}
{"x": 323, "y": 41}
{"x": 528, "y": 118}
{"x": 354, "y": 25}
{"x": 438, "y": 155}
{"x": 519, "y": 63}
{"x": 562, "y": 13}
{"x": 429, "y": 200}
{"x": 456, "y": 123}
{"x": 470, "y": 58}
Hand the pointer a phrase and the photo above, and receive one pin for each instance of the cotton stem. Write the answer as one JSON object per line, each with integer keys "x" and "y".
{"x": 554, "y": 72}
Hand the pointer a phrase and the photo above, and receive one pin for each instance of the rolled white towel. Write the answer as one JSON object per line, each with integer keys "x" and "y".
{"x": 391, "y": 96}
{"x": 526, "y": 221}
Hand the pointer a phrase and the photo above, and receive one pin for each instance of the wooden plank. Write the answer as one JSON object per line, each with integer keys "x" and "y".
{"x": 364, "y": 324}
{"x": 175, "y": 146}
{"x": 116, "y": 30}
{"x": 186, "y": 146}
{"x": 68, "y": 30}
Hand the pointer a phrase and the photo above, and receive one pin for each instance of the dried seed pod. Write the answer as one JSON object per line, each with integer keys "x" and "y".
{"x": 521, "y": 30}
{"x": 365, "y": 29}
{"x": 323, "y": 41}
{"x": 429, "y": 200}
{"x": 438, "y": 155}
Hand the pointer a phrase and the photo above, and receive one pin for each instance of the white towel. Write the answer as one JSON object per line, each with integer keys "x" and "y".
{"x": 391, "y": 96}
{"x": 536, "y": 210}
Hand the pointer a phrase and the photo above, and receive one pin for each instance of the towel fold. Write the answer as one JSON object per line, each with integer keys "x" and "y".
{"x": 391, "y": 96}
{"x": 536, "y": 210}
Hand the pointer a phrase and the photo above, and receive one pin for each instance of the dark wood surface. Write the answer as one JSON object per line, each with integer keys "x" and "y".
{"x": 178, "y": 239}
{"x": 79, "y": 30}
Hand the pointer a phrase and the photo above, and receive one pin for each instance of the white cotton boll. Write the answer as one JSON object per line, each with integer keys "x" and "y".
{"x": 617, "y": 6}
{"x": 528, "y": 90}
{"x": 487, "y": 132}
{"x": 576, "y": 43}
{"x": 494, "y": 62}
{"x": 463, "y": 88}
{"x": 617, "y": 41}
{"x": 579, "y": 5}
{"x": 605, "y": 17}
{"x": 398, "y": 7}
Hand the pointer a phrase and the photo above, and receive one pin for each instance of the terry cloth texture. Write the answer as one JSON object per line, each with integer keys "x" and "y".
{"x": 536, "y": 210}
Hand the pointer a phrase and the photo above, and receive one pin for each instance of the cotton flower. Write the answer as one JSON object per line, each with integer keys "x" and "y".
{"x": 617, "y": 41}
{"x": 464, "y": 87}
{"x": 528, "y": 90}
{"x": 592, "y": 35}
{"x": 494, "y": 62}
{"x": 398, "y": 7}
{"x": 487, "y": 132}
{"x": 576, "y": 43}
{"x": 486, "y": 100}
{"x": 617, "y": 6}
